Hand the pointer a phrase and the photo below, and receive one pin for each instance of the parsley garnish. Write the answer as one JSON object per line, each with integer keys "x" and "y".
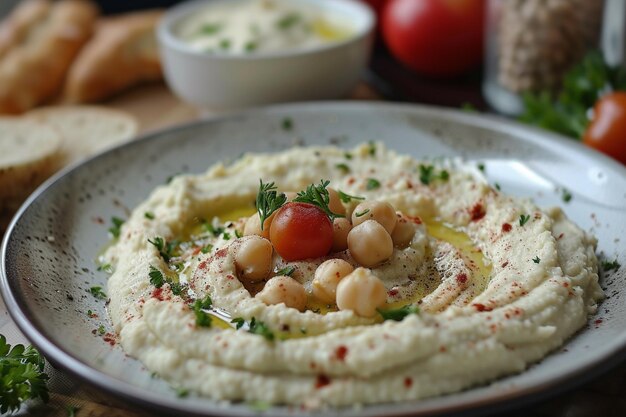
{"x": 105, "y": 267}
{"x": 317, "y": 195}
{"x": 288, "y": 21}
{"x": 347, "y": 155}
{"x": 610, "y": 265}
{"x": 268, "y": 200}
{"x": 398, "y": 314}
{"x": 156, "y": 277}
{"x": 239, "y": 322}
{"x": 362, "y": 213}
{"x": 286, "y": 271}
{"x": 101, "y": 330}
{"x": 21, "y": 376}
{"x": 89, "y": 313}
{"x": 287, "y": 123}
{"x": 251, "y": 46}
{"x": 117, "y": 226}
{"x": 176, "y": 287}
{"x": 210, "y": 28}
{"x": 98, "y": 293}
{"x": 343, "y": 168}
{"x": 238, "y": 234}
{"x": 226, "y": 236}
{"x": 215, "y": 231}
{"x": 149, "y": 215}
{"x": 260, "y": 328}
{"x": 372, "y": 184}
{"x": 371, "y": 148}
{"x": 428, "y": 174}
{"x": 536, "y": 259}
{"x": 207, "y": 248}
{"x": 225, "y": 44}
{"x": 182, "y": 392}
{"x": 481, "y": 167}
{"x": 523, "y": 219}
{"x": 497, "y": 186}
{"x": 566, "y": 196}
{"x": 203, "y": 319}
{"x": 166, "y": 249}
{"x": 346, "y": 198}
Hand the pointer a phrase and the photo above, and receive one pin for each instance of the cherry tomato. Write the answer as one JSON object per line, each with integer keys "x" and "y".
{"x": 440, "y": 38}
{"x": 607, "y": 130}
{"x": 301, "y": 231}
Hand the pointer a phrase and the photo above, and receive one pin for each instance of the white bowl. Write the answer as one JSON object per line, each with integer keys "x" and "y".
{"x": 227, "y": 82}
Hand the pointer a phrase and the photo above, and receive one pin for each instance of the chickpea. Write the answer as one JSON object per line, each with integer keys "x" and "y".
{"x": 327, "y": 276}
{"x": 382, "y": 212}
{"x": 362, "y": 292}
{"x": 284, "y": 289}
{"x": 369, "y": 243}
{"x": 404, "y": 231}
{"x": 253, "y": 226}
{"x": 334, "y": 203}
{"x": 341, "y": 228}
{"x": 253, "y": 258}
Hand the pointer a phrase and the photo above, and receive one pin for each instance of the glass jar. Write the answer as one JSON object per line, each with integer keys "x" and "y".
{"x": 530, "y": 45}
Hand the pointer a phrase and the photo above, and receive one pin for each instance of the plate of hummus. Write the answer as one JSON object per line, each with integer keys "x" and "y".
{"x": 327, "y": 259}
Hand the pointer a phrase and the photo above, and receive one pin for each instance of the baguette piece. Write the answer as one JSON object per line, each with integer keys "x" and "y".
{"x": 33, "y": 70}
{"x": 122, "y": 53}
{"x": 29, "y": 154}
{"x": 24, "y": 19}
{"x": 86, "y": 130}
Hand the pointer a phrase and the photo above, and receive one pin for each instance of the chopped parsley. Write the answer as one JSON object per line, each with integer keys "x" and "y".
{"x": 260, "y": 328}
{"x": 214, "y": 230}
{"x": 210, "y": 28}
{"x": 89, "y": 313}
{"x": 428, "y": 174}
{"x": 318, "y": 195}
{"x": 156, "y": 277}
{"x": 371, "y": 148}
{"x": 23, "y": 377}
{"x": 610, "y": 265}
{"x": 101, "y": 329}
{"x": 98, "y": 293}
{"x": 288, "y": 21}
{"x": 206, "y": 248}
{"x": 362, "y": 213}
{"x": 238, "y": 322}
{"x": 251, "y": 46}
{"x": 481, "y": 167}
{"x": 149, "y": 215}
{"x": 287, "y": 123}
{"x": 287, "y": 271}
{"x": 176, "y": 287}
{"x": 347, "y": 198}
{"x": 523, "y": 219}
{"x": 105, "y": 267}
{"x": 343, "y": 168}
{"x": 347, "y": 155}
{"x": 226, "y": 236}
{"x": 117, "y": 226}
{"x": 203, "y": 319}
{"x": 182, "y": 392}
{"x": 225, "y": 44}
{"x": 238, "y": 234}
{"x": 566, "y": 196}
{"x": 372, "y": 184}
{"x": 398, "y": 314}
{"x": 536, "y": 259}
{"x": 166, "y": 249}
{"x": 268, "y": 200}
{"x": 497, "y": 186}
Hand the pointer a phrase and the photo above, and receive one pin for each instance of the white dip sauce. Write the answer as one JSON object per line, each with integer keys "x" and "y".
{"x": 253, "y": 26}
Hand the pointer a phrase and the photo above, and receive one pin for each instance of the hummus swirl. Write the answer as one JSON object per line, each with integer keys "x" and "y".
{"x": 499, "y": 284}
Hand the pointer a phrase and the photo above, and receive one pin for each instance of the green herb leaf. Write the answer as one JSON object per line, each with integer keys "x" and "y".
{"x": 268, "y": 200}
{"x": 182, "y": 392}
{"x": 115, "y": 230}
{"x": 428, "y": 174}
{"x": 287, "y": 123}
{"x": 523, "y": 219}
{"x": 481, "y": 167}
{"x": 21, "y": 376}
{"x": 105, "y": 267}
{"x": 610, "y": 265}
{"x": 239, "y": 321}
{"x": 149, "y": 215}
{"x": 566, "y": 196}
{"x": 497, "y": 186}
{"x": 206, "y": 248}
{"x": 362, "y": 213}
{"x": 210, "y": 29}
{"x": 343, "y": 168}
{"x": 156, "y": 277}
{"x": 372, "y": 184}
{"x": 98, "y": 293}
{"x": 288, "y": 21}
{"x": 287, "y": 271}
{"x": 318, "y": 195}
{"x": 203, "y": 319}
{"x": 347, "y": 155}
{"x": 260, "y": 328}
{"x": 238, "y": 234}
{"x": 398, "y": 314}
{"x": 536, "y": 259}
{"x": 101, "y": 330}
{"x": 371, "y": 148}
{"x": 347, "y": 198}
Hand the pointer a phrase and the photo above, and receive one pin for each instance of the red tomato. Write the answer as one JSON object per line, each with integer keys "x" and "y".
{"x": 607, "y": 130}
{"x": 439, "y": 38}
{"x": 301, "y": 231}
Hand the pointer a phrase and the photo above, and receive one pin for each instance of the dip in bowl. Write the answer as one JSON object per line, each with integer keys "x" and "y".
{"x": 228, "y": 54}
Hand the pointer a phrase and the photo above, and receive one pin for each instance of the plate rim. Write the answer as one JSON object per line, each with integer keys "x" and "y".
{"x": 122, "y": 389}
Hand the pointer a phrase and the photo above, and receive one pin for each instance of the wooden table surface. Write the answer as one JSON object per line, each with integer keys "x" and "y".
{"x": 156, "y": 108}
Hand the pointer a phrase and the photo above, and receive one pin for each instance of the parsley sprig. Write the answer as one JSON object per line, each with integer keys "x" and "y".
{"x": 268, "y": 200}
{"x": 398, "y": 314}
{"x": 22, "y": 376}
{"x": 116, "y": 229}
{"x": 610, "y": 265}
{"x": 158, "y": 280}
{"x": 287, "y": 271}
{"x": 347, "y": 198}
{"x": 203, "y": 319}
{"x": 318, "y": 195}
{"x": 428, "y": 174}
{"x": 523, "y": 219}
{"x": 260, "y": 328}
{"x": 166, "y": 249}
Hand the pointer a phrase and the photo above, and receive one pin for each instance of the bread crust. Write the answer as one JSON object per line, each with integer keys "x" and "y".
{"x": 33, "y": 70}
{"x": 122, "y": 53}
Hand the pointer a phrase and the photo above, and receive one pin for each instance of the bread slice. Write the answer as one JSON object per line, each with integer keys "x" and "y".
{"x": 29, "y": 153}
{"x": 22, "y": 20}
{"x": 123, "y": 52}
{"x": 86, "y": 130}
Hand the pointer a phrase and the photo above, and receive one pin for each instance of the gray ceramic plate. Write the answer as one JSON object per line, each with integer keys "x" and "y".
{"x": 48, "y": 254}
